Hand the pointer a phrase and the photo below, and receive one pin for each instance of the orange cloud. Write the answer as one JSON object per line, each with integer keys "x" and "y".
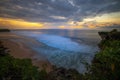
{"x": 98, "y": 24}
{"x": 19, "y": 24}
{"x": 98, "y": 21}
{"x": 92, "y": 24}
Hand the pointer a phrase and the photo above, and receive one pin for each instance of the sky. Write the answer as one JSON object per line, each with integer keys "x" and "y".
{"x": 59, "y": 14}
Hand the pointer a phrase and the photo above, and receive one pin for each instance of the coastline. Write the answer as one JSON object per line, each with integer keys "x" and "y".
{"x": 106, "y": 59}
{"x": 43, "y": 53}
{"x": 21, "y": 51}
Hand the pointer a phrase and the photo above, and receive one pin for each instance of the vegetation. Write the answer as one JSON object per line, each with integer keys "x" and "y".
{"x": 112, "y": 35}
{"x": 105, "y": 65}
{"x": 64, "y": 74}
{"x": 17, "y": 69}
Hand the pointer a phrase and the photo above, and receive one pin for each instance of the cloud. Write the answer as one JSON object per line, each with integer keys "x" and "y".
{"x": 36, "y": 10}
{"x": 55, "y": 11}
{"x": 19, "y": 24}
{"x": 110, "y": 19}
{"x": 58, "y": 17}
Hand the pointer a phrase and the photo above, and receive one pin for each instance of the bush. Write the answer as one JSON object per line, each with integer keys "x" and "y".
{"x": 18, "y": 69}
{"x": 106, "y": 64}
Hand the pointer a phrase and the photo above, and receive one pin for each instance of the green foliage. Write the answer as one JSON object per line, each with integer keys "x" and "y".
{"x": 18, "y": 69}
{"x": 43, "y": 75}
{"x": 110, "y": 43}
{"x": 106, "y": 64}
{"x": 64, "y": 74}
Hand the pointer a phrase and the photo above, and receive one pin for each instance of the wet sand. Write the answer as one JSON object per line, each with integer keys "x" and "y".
{"x": 20, "y": 50}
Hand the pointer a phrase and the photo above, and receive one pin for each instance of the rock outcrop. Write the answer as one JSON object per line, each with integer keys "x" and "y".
{"x": 113, "y": 35}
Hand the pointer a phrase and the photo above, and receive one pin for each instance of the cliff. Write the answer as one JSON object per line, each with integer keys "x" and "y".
{"x": 105, "y": 65}
{"x": 112, "y": 35}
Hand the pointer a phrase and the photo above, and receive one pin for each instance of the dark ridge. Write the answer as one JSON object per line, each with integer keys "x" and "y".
{"x": 4, "y": 30}
{"x": 113, "y": 35}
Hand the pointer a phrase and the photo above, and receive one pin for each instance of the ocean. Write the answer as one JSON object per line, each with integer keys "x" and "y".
{"x": 62, "y": 48}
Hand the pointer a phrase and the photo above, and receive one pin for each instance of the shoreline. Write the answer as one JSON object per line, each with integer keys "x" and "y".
{"x": 21, "y": 51}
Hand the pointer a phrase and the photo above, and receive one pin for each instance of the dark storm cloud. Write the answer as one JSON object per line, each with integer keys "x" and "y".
{"x": 44, "y": 10}
{"x": 96, "y": 7}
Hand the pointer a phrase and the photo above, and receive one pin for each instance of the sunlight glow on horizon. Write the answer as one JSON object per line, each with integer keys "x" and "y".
{"x": 98, "y": 21}
{"x": 103, "y": 20}
{"x": 19, "y": 24}
{"x": 111, "y": 17}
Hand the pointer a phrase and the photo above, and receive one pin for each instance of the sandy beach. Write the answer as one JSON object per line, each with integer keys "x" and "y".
{"x": 48, "y": 49}
{"x": 20, "y": 50}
